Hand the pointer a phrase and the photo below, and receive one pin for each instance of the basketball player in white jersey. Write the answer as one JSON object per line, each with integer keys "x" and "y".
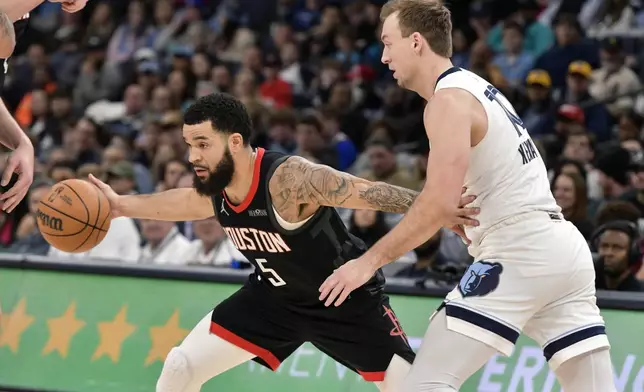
{"x": 533, "y": 271}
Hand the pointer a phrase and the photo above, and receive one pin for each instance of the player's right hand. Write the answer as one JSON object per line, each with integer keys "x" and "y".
{"x": 21, "y": 161}
{"x": 464, "y": 216}
{"x": 112, "y": 196}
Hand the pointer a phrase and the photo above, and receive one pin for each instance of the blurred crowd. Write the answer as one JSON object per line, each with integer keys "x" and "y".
{"x": 102, "y": 92}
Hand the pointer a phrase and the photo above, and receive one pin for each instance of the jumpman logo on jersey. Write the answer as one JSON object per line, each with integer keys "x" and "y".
{"x": 397, "y": 329}
{"x": 223, "y": 208}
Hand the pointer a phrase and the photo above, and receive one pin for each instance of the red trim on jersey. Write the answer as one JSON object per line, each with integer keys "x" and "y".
{"x": 253, "y": 186}
{"x": 268, "y": 357}
{"x": 372, "y": 376}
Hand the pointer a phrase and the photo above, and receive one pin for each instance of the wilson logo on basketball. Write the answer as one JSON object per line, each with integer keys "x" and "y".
{"x": 48, "y": 221}
{"x": 55, "y": 194}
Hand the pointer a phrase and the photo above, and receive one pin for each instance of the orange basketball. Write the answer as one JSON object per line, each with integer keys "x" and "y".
{"x": 74, "y": 216}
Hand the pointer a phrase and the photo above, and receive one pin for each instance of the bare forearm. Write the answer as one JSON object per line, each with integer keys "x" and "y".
{"x": 15, "y": 9}
{"x": 385, "y": 197}
{"x": 420, "y": 223}
{"x": 176, "y": 205}
{"x": 11, "y": 135}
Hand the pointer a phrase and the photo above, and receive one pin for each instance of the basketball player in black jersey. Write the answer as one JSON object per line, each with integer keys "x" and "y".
{"x": 278, "y": 211}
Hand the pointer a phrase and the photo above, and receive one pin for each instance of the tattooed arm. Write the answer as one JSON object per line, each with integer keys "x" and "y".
{"x": 299, "y": 186}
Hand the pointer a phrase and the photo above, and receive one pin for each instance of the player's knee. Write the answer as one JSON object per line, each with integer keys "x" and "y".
{"x": 176, "y": 375}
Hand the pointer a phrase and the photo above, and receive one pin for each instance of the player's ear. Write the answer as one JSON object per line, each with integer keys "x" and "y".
{"x": 416, "y": 42}
{"x": 235, "y": 142}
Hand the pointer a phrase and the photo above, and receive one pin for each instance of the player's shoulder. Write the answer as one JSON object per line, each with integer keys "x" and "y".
{"x": 451, "y": 101}
{"x": 286, "y": 172}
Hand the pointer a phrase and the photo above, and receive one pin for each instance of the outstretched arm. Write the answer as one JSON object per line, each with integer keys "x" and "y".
{"x": 177, "y": 205}
{"x": 299, "y": 185}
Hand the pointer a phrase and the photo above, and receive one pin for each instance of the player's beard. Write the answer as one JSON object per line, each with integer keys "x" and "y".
{"x": 217, "y": 179}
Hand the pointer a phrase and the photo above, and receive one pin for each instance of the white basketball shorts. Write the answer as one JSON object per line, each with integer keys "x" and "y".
{"x": 534, "y": 274}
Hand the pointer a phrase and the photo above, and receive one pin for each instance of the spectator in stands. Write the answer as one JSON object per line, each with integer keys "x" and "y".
{"x": 536, "y": 37}
{"x": 428, "y": 256}
{"x": 614, "y": 164}
{"x": 570, "y": 46}
{"x": 293, "y": 71}
{"x": 28, "y": 225}
{"x": 635, "y": 196}
{"x": 618, "y": 250}
{"x": 344, "y": 147}
{"x": 597, "y": 118}
{"x": 482, "y": 65}
{"x": 120, "y": 176}
{"x": 164, "y": 244}
{"x": 614, "y": 81}
{"x": 368, "y": 225}
{"x": 538, "y": 113}
{"x": 579, "y": 146}
{"x": 346, "y": 53}
{"x": 569, "y": 119}
{"x": 281, "y": 131}
{"x": 213, "y": 247}
{"x": 275, "y": 92}
{"x": 617, "y": 210}
{"x": 129, "y": 36}
{"x": 383, "y": 166}
{"x": 221, "y": 78}
{"x": 630, "y": 126}
{"x": 613, "y": 18}
{"x": 480, "y": 19}
{"x": 571, "y": 195}
{"x": 460, "y": 49}
{"x": 352, "y": 121}
{"x": 311, "y": 143}
{"x": 62, "y": 171}
{"x": 169, "y": 174}
{"x": 28, "y": 237}
{"x": 513, "y": 62}
{"x": 397, "y": 120}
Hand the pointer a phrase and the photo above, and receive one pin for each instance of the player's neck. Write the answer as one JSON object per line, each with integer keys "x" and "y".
{"x": 426, "y": 80}
{"x": 239, "y": 186}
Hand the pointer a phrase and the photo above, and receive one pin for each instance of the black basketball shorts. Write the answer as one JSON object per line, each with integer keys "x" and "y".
{"x": 363, "y": 336}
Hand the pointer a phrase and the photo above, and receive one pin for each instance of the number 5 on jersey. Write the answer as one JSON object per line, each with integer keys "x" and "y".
{"x": 275, "y": 280}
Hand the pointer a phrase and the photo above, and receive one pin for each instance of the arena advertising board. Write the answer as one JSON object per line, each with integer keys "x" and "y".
{"x": 73, "y": 332}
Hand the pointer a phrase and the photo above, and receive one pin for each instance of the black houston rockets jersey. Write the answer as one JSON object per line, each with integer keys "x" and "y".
{"x": 291, "y": 263}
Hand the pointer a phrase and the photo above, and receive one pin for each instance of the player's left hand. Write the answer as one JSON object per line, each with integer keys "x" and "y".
{"x": 20, "y": 161}
{"x": 344, "y": 280}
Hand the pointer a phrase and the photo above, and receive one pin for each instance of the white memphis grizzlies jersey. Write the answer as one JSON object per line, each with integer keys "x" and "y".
{"x": 506, "y": 172}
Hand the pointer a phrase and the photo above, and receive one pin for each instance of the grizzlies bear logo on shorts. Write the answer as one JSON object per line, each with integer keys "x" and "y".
{"x": 480, "y": 279}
